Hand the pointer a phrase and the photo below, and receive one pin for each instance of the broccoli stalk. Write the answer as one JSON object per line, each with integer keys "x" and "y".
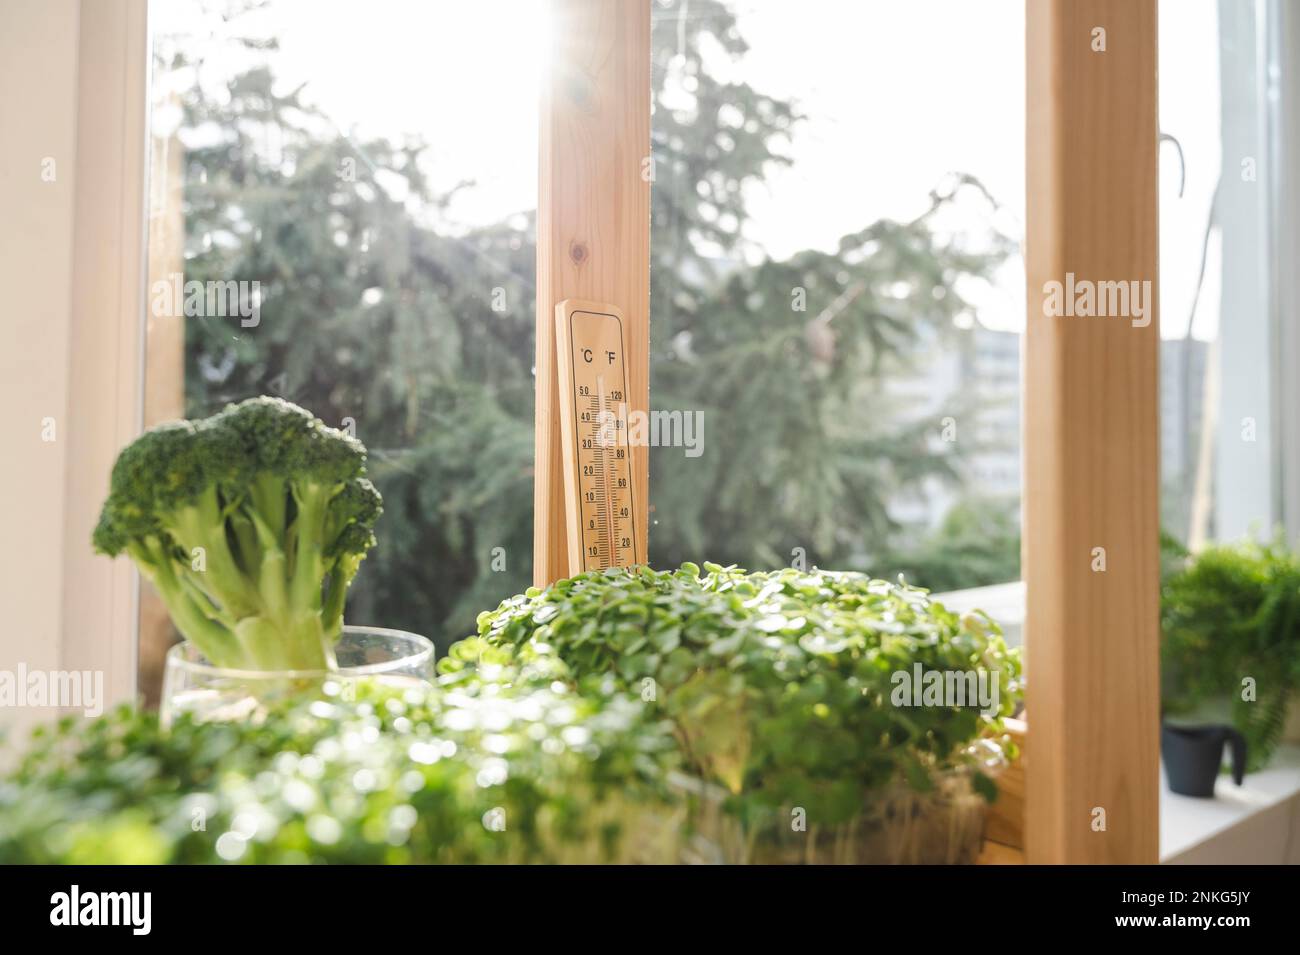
{"x": 252, "y": 525}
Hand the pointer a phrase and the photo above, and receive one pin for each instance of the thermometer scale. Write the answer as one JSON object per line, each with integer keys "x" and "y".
{"x": 600, "y": 511}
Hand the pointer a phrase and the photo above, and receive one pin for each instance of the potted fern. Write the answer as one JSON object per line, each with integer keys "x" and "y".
{"x": 1230, "y": 650}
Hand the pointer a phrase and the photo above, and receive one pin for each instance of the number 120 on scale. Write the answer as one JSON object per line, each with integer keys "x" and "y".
{"x": 599, "y": 507}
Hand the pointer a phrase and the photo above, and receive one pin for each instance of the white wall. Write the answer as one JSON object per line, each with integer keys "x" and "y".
{"x": 72, "y": 174}
{"x": 38, "y": 121}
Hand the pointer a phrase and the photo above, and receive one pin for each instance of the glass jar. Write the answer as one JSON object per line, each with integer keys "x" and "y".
{"x": 392, "y": 658}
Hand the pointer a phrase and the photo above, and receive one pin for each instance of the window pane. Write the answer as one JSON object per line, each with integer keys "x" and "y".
{"x": 837, "y": 294}
{"x": 1217, "y": 419}
{"x": 375, "y": 177}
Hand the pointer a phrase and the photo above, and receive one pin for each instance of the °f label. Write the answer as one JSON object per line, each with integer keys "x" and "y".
{"x": 592, "y": 365}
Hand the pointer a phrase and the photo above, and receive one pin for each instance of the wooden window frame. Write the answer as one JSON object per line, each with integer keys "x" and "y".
{"x": 83, "y": 109}
{"x": 1091, "y": 436}
{"x": 1091, "y": 450}
{"x": 108, "y": 329}
{"x": 593, "y": 228}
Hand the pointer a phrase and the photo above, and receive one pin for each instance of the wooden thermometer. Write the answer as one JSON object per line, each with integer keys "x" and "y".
{"x": 600, "y": 509}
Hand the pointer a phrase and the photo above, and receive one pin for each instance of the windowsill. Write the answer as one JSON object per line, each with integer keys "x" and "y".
{"x": 1250, "y": 824}
{"x": 1005, "y": 603}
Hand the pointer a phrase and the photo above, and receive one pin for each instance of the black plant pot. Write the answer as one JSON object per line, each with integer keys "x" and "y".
{"x": 1193, "y": 755}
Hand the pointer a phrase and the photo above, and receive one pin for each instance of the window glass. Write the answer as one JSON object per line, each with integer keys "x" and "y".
{"x": 1216, "y": 401}
{"x": 837, "y": 294}
{"x": 366, "y": 175}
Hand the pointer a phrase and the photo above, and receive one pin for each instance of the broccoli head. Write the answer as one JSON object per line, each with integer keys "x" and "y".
{"x": 251, "y": 524}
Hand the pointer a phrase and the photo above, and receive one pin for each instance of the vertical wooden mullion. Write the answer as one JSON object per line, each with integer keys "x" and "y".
{"x": 100, "y": 597}
{"x": 1091, "y": 502}
{"x": 593, "y": 226}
